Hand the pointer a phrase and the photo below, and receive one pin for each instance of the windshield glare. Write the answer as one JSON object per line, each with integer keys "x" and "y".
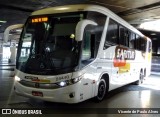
{"x": 49, "y": 46}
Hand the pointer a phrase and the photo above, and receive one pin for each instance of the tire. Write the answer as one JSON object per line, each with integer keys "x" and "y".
{"x": 141, "y": 78}
{"x": 101, "y": 91}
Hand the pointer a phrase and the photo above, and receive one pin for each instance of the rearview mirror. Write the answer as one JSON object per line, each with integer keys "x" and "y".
{"x": 8, "y": 29}
{"x": 80, "y": 28}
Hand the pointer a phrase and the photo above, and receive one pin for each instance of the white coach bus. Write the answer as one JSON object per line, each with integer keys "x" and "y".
{"x": 73, "y": 53}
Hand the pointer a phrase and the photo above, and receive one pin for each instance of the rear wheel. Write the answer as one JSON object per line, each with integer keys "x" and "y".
{"x": 141, "y": 78}
{"x": 101, "y": 91}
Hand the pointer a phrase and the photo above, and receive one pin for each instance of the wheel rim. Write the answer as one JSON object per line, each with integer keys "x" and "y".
{"x": 141, "y": 77}
{"x": 101, "y": 90}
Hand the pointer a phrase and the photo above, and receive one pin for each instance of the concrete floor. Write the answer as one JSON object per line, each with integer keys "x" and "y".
{"x": 129, "y": 97}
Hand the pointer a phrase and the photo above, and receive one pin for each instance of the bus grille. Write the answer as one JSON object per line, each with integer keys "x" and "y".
{"x": 39, "y": 85}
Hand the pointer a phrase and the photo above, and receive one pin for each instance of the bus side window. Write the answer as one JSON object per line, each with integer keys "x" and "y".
{"x": 132, "y": 40}
{"x": 150, "y": 47}
{"x": 112, "y": 34}
{"x": 127, "y": 38}
{"x": 88, "y": 49}
{"x": 92, "y": 37}
{"x": 123, "y": 36}
{"x": 100, "y": 19}
{"x": 137, "y": 42}
{"x": 143, "y": 44}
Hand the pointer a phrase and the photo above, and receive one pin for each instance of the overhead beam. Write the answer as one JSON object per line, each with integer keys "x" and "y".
{"x": 11, "y": 7}
{"x": 140, "y": 9}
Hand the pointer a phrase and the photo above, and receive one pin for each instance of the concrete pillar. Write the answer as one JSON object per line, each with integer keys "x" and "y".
{"x": 13, "y": 53}
{"x": 1, "y": 52}
{"x": 1, "y": 47}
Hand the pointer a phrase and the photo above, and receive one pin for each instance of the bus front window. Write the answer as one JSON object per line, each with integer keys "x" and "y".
{"x": 48, "y": 46}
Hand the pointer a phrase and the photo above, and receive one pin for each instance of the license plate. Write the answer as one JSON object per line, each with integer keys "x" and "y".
{"x": 37, "y": 93}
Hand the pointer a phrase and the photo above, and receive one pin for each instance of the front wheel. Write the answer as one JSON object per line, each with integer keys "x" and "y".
{"x": 101, "y": 91}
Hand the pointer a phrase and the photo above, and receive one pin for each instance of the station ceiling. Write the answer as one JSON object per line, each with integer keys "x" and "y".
{"x": 133, "y": 11}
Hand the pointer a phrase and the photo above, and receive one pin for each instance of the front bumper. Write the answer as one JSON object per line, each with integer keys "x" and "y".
{"x": 68, "y": 94}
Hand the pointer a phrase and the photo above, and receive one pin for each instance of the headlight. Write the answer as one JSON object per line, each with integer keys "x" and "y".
{"x": 62, "y": 84}
{"x": 17, "y": 78}
{"x": 69, "y": 82}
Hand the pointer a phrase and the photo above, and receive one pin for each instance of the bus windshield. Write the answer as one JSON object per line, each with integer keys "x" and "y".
{"x": 48, "y": 46}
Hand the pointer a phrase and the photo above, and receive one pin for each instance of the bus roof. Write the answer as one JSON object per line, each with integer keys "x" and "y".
{"x": 86, "y": 7}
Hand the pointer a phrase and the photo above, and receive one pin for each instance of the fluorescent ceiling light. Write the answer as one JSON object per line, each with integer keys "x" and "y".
{"x": 153, "y": 33}
{"x": 154, "y": 38}
{"x": 62, "y": 8}
{"x": 18, "y": 30}
{"x": 146, "y": 19}
{"x": 2, "y": 21}
{"x": 152, "y": 25}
